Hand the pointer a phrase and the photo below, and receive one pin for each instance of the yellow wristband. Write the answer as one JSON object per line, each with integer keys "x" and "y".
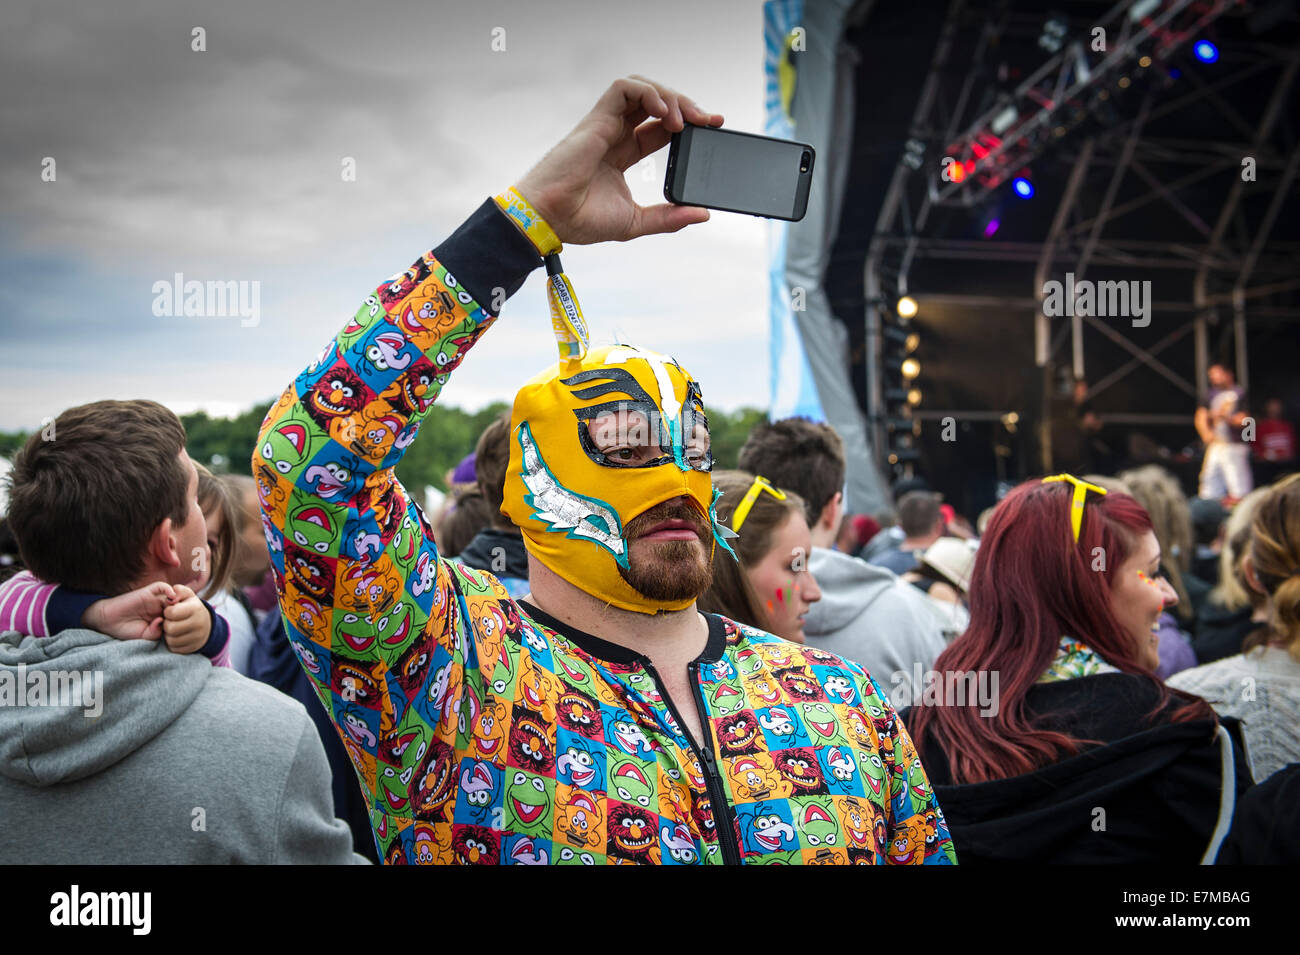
{"x": 539, "y": 232}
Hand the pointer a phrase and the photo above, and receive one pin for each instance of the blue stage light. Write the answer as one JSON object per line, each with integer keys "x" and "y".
{"x": 1206, "y": 51}
{"x": 1023, "y": 187}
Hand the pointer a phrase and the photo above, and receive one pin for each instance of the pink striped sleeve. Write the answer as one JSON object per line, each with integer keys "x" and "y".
{"x": 222, "y": 659}
{"x": 23, "y": 599}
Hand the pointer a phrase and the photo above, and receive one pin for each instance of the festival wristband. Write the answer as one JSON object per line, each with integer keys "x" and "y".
{"x": 521, "y": 211}
{"x": 566, "y": 314}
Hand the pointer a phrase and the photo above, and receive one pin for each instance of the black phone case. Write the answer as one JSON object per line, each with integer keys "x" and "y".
{"x": 678, "y": 158}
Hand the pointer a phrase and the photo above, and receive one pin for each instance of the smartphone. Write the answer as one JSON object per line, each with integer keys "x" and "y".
{"x": 739, "y": 172}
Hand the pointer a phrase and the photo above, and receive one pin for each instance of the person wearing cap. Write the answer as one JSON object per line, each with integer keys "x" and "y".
{"x": 943, "y": 575}
{"x": 602, "y": 718}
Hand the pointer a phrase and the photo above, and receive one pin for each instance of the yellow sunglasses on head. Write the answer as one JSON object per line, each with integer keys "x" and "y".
{"x": 1081, "y": 489}
{"x": 760, "y": 485}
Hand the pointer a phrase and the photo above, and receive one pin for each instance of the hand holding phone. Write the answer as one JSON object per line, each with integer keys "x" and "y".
{"x": 739, "y": 172}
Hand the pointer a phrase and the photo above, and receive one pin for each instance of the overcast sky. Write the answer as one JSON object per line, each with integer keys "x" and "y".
{"x": 226, "y": 165}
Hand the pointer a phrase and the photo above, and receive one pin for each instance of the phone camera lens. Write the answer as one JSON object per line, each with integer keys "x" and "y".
{"x": 804, "y": 160}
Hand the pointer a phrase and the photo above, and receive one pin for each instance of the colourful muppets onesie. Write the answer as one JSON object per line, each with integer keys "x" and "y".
{"x": 484, "y": 730}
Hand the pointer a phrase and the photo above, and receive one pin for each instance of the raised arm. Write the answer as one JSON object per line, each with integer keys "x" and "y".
{"x": 369, "y": 606}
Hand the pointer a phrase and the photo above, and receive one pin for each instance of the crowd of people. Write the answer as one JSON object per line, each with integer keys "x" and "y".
{"x": 608, "y": 646}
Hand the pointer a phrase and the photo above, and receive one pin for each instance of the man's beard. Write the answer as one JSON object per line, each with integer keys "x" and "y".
{"x": 670, "y": 571}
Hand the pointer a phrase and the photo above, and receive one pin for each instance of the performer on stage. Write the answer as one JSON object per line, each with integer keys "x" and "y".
{"x": 1226, "y": 471}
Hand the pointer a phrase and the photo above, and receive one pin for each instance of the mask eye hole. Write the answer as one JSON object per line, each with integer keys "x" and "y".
{"x": 622, "y": 435}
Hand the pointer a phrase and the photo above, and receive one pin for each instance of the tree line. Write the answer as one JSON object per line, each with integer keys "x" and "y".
{"x": 226, "y": 444}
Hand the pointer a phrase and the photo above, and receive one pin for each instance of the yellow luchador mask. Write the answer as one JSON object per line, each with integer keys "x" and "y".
{"x": 572, "y": 494}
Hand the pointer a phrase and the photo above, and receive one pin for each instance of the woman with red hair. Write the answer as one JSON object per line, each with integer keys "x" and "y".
{"x": 1081, "y": 754}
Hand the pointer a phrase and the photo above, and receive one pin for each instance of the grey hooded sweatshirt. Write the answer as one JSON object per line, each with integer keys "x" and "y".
{"x": 122, "y": 752}
{"x": 867, "y": 614}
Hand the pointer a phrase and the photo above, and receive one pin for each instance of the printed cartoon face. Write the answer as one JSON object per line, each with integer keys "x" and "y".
{"x": 839, "y": 689}
{"x": 819, "y": 656}
{"x": 287, "y": 399}
{"x": 579, "y": 818}
{"x": 490, "y": 732}
{"x": 313, "y": 658}
{"x": 934, "y": 841}
{"x": 476, "y": 845}
{"x": 356, "y": 722}
{"x": 858, "y": 727}
{"x": 535, "y": 689}
{"x": 880, "y": 718}
{"x": 384, "y": 351}
{"x": 291, "y": 443}
{"x": 308, "y": 572}
{"x": 764, "y": 830}
{"x": 880, "y": 833}
{"x": 432, "y": 844}
{"x": 402, "y": 284}
{"x": 725, "y": 699}
{"x": 373, "y": 435}
{"x": 357, "y": 632}
{"x": 337, "y": 395}
{"x": 777, "y": 721}
{"x": 574, "y": 669}
{"x": 405, "y": 546}
{"x": 395, "y": 626}
{"x": 309, "y": 618}
{"x": 749, "y": 661}
{"x": 355, "y": 681}
{"x": 580, "y": 714}
{"x": 907, "y": 844}
{"x": 752, "y": 779}
{"x": 524, "y": 850}
{"x": 578, "y": 766}
{"x": 873, "y": 772}
{"x": 435, "y": 782}
{"x": 627, "y": 736}
{"x": 405, "y": 748}
{"x": 705, "y": 824}
{"x": 630, "y": 784}
{"x": 333, "y": 479}
{"x": 820, "y": 720}
{"x": 631, "y": 834}
{"x": 857, "y": 824}
{"x": 532, "y": 741}
{"x": 767, "y": 691}
{"x": 528, "y": 803}
{"x": 800, "y": 685}
{"x": 917, "y": 782}
{"x": 841, "y": 766}
{"x": 364, "y": 588}
{"x": 676, "y": 845}
{"x": 382, "y": 496}
{"x": 270, "y": 495}
{"x": 738, "y": 734}
{"x": 411, "y": 665}
{"x": 413, "y": 392}
{"x": 426, "y": 319}
{"x": 479, "y": 787}
{"x": 818, "y": 825}
{"x": 799, "y": 768}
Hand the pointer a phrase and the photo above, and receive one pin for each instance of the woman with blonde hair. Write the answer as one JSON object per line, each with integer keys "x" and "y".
{"x": 1233, "y": 610}
{"x": 1261, "y": 685}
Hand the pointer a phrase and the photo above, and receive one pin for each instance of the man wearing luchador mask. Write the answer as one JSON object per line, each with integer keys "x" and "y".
{"x": 578, "y": 724}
